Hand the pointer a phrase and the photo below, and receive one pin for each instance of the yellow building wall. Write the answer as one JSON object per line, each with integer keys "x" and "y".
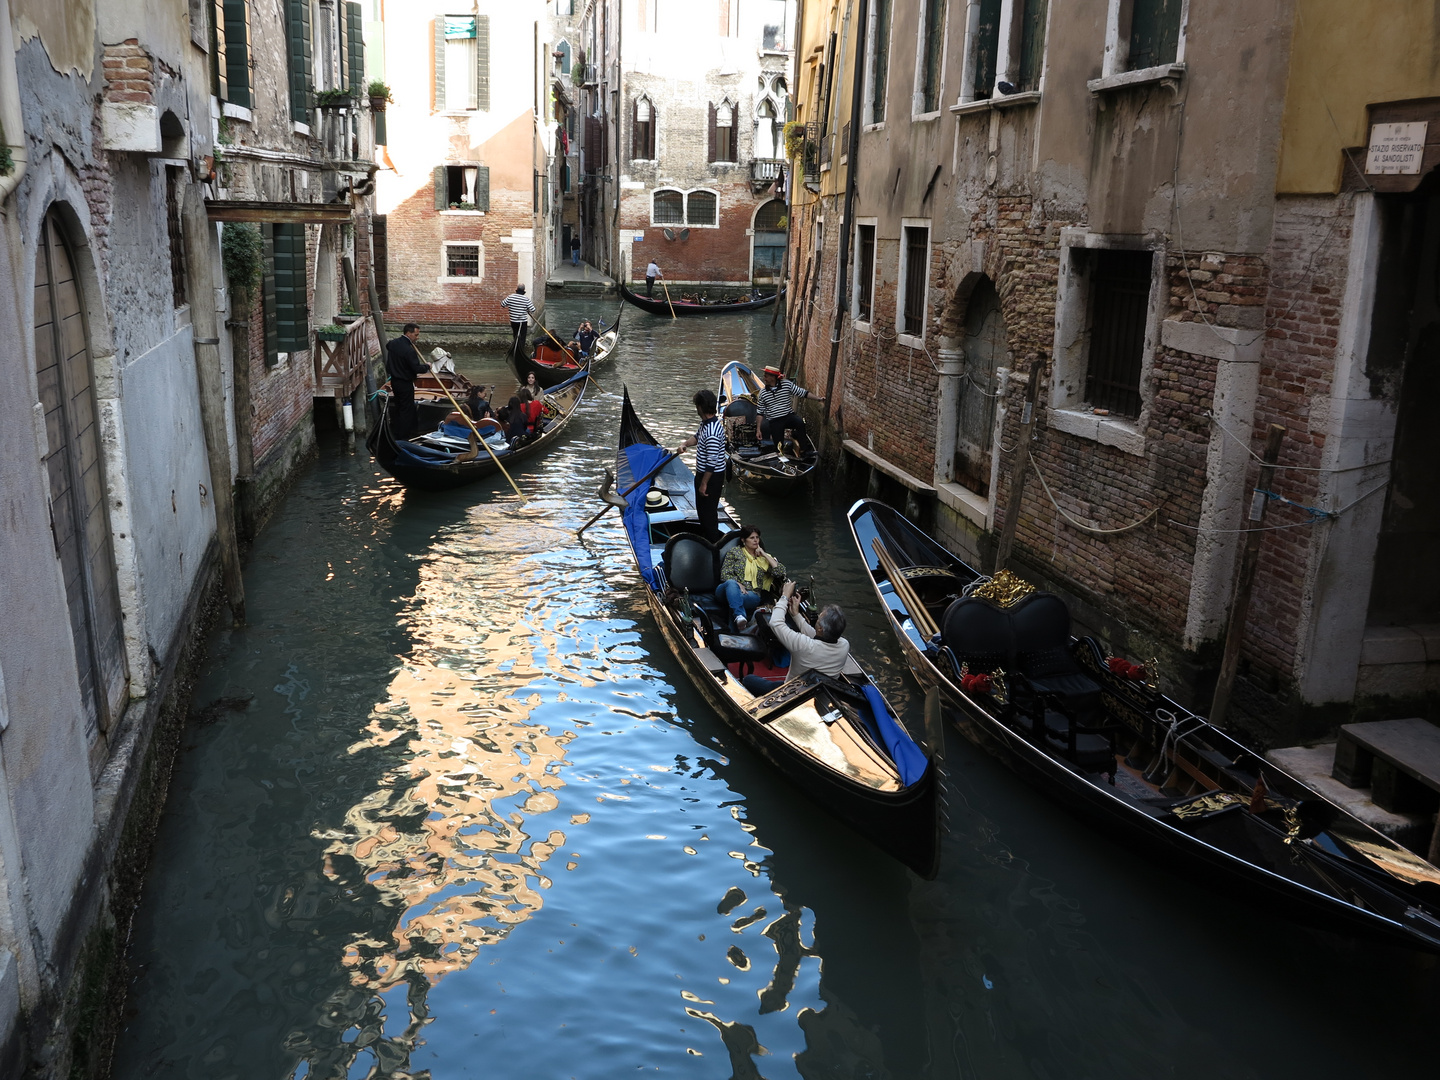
{"x": 1345, "y": 55}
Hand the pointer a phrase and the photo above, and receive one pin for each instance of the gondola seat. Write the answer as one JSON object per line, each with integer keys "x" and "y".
{"x": 692, "y": 566}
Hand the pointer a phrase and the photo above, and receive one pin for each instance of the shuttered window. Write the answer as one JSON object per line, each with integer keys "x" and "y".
{"x": 462, "y": 187}
{"x": 380, "y": 268}
{"x": 880, "y": 61}
{"x": 864, "y": 271}
{"x": 219, "y": 72}
{"x": 237, "y": 52}
{"x": 75, "y": 470}
{"x": 642, "y": 130}
{"x": 722, "y": 132}
{"x": 987, "y": 47}
{"x": 1154, "y": 32}
{"x": 932, "y": 44}
{"x": 916, "y": 278}
{"x": 287, "y": 315}
{"x": 302, "y": 72}
{"x": 355, "y": 47}
{"x": 1119, "y": 304}
{"x": 462, "y": 63}
{"x": 1032, "y": 44}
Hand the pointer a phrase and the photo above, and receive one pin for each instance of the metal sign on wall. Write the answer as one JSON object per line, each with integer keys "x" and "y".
{"x": 1404, "y": 147}
{"x": 1396, "y": 149}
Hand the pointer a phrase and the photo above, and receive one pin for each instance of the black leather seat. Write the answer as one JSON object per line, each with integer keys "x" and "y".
{"x": 692, "y": 565}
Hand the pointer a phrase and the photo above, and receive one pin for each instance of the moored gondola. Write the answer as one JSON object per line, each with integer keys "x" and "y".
{"x": 770, "y": 466}
{"x": 449, "y": 455}
{"x": 553, "y": 364}
{"x": 1095, "y": 733}
{"x": 661, "y": 306}
{"x": 835, "y": 739}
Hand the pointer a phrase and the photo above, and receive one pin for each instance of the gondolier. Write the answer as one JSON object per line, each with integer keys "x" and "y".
{"x": 403, "y": 363}
{"x": 651, "y": 273}
{"x": 710, "y": 463}
{"x": 521, "y": 310}
{"x": 776, "y": 402}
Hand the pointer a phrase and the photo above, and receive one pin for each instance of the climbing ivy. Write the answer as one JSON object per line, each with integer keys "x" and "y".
{"x": 242, "y": 250}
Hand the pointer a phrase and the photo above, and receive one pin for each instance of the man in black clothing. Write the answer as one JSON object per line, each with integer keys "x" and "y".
{"x": 402, "y": 361}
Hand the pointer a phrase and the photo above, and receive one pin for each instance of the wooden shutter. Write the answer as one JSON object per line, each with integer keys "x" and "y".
{"x": 301, "y": 66}
{"x": 1154, "y": 33}
{"x": 380, "y": 259}
{"x": 442, "y": 188}
{"x": 482, "y": 62}
{"x": 482, "y": 188}
{"x": 714, "y": 134}
{"x": 987, "y": 47}
{"x": 237, "y": 51}
{"x": 440, "y": 63}
{"x": 272, "y": 334}
{"x": 355, "y": 45}
{"x": 292, "y": 315}
{"x": 219, "y": 73}
{"x": 1032, "y": 44}
{"x": 75, "y": 469}
{"x": 381, "y": 138}
{"x": 651, "y": 130}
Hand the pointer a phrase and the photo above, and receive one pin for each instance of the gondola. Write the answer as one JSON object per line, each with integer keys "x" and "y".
{"x": 449, "y": 455}
{"x": 661, "y": 306}
{"x": 771, "y": 467}
{"x": 552, "y": 364}
{"x": 1095, "y": 733}
{"x": 835, "y": 739}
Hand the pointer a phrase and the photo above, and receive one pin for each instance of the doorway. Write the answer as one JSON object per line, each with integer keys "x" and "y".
{"x": 984, "y": 344}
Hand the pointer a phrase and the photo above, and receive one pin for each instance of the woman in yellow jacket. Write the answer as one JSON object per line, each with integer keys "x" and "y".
{"x": 747, "y": 572}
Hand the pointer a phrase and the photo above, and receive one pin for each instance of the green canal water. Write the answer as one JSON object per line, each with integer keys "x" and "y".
{"x": 457, "y": 813}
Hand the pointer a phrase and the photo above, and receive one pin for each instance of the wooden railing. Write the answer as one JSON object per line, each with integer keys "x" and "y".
{"x": 340, "y": 365}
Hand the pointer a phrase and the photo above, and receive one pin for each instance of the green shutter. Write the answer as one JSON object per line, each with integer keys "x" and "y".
{"x": 442, "y": 188}
{"x": 482, "y": 188}
{"x": 1154, "y": 33}
{"x": 355, "y": 41}
{"x": 1032, "y": 44}
{"x": 987, "y": 47}
{"x": 292, "y": 316}
{"x": 380, "y": 268}
{"x": 297, "y": 29}
{"x": 380, "y": 134}
{"x": 482, "y": 63}
{"x": 272, "y": 338}
{"x": 237, "y": 51}
{"x": 440, "y": 64}
{"x": 218, "y": 71}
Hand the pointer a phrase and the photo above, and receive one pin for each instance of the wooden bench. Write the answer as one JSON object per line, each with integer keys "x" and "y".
{"x": 1399, "y": 760}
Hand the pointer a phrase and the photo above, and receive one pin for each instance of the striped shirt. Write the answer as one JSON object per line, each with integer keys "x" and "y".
{"x": 779, "y": 400}
{"x": 519, "y": 306}
{"x": 710, "y": 447}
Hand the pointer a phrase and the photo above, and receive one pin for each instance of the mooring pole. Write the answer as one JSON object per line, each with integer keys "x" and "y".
{"x": 1022, "y": 462}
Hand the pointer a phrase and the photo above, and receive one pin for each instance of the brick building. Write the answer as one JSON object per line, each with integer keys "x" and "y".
{"x": 687, "y": 168}
{"x": 1146, "y": 199}
{"x": 465, "y": 191}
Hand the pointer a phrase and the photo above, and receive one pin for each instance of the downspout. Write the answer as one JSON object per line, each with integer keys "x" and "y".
{"x": 852, "y": 162}
{"x": 10, "y": 119}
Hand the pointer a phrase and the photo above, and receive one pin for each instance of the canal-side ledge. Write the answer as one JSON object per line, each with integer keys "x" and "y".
{"x": 71, "y": 1029}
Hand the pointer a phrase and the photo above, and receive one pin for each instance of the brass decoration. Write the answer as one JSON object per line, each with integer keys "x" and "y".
{"x": 1209, "y": 803}
{"x": 1004, "y": 589}
{"x": 998, "y": 689}
{"x": 1152, "y": 673}
{"x": 927, "y": 571}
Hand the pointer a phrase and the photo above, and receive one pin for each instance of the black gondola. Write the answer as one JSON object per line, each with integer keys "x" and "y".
{"x": 450, "y": 456}
{"x": 836, "y": 739}
{"x": 772, "y": 467}
{"x": 662, "y": 306}
{"x": 1095, "y": 734}
{"x": 552, "y": 364}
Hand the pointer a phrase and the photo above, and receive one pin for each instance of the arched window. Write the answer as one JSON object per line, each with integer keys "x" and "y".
{"x": 767, "y": 130}
{"x": 702, "y": 208}
{"x": 642, "y": 130}
{"x": 562, "y": 56}
{"x": 668, "y": 208}
{"x": 770, "y": 216}
{"x": 722, "y": 131}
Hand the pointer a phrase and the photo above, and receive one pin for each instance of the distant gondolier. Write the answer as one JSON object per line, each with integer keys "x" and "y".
{"x": 710, "y": 463}
{"x": 403, "y": 363}
{"x": 651, "y": 273}
{"x": 776, "y": 402}
{"x": 521, "y": 310}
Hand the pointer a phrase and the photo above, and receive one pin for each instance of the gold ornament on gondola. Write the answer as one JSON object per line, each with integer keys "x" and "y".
{"x": 1004, "y": 589}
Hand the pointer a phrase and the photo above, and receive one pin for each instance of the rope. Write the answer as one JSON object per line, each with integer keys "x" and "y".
{"x": 1324, "y": 515}
{"x": 1176, "y": 732}
{"x": 1292, "y": 468}
{"x": 1076, "y": 521}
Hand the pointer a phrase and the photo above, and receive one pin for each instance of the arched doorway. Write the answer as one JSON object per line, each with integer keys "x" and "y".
{"x": 76, "y": 473}
{"x": 984, "y": 343}
{"x": 768, "y": 251}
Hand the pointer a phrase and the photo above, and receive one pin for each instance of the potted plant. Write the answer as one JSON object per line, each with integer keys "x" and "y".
{"x": 795, "y": 141}
{"x": 348, "y": 314}
{"x": 379, "y": 93}
{"x": 333, "y": 99}
{"x": 577, "y": 68}
{"x": 332, "y": 332}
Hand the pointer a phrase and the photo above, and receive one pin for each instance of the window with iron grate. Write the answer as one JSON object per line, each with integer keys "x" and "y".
{"x": 1119, "y": 307}
{"x": 462, "y": 260}
{"x": 915, "y": 279}
{"x": 864, "y": 272}
{"x": 668, "y": 208}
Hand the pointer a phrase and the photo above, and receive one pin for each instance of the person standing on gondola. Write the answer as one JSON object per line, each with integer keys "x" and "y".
{"x": 711, "y": 462}
{"x": 776, "y": 402}
{"x": 651, "y": 273}
{"x": 521, "y": 309}
{"x": 403, "y": 363}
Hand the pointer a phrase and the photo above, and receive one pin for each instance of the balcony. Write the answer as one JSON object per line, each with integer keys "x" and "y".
{"x": 764, "y": 172}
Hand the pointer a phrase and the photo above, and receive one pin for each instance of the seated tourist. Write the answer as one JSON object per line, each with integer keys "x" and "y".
{"x": 587, "y": 337}
{"x": 516, "y": 424}
{"x": 747, "y": 573}
{"x": 819, "y": 649}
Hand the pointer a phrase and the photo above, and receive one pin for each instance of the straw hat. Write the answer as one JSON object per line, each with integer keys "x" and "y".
{"x": 769, "y": 370}
{"x": 438, "y": 353}
{"x": 655, "y": 498}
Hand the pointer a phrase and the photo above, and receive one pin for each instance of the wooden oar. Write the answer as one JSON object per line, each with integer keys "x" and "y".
{"x": 667, "y": 297}
{"x": 466, "y": 417}
{"x": 648, "y": 476}
{"x": 918, "y": 613}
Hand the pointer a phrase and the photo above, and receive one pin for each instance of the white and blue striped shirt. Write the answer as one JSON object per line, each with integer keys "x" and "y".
{"x": 519, "y": 307}
{"x": 779, "y": 400}
{"x": 710, "y": 447}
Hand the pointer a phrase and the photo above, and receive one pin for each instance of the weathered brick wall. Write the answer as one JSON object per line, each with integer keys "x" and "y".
{"x": 280, "y": 395}
{"x": 706, "y": 255}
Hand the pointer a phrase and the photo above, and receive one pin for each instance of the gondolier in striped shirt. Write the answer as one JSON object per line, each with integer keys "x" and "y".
{"x": 776, "y": 402}
{"x": 711, "y": 461}
{"x": 521, "y": 309}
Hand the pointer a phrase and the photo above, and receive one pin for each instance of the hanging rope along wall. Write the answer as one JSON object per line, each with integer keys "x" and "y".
{"x": 1082, "y": 526}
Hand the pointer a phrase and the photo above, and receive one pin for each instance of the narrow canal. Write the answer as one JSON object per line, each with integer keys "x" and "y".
{"x": 454, "y": 811}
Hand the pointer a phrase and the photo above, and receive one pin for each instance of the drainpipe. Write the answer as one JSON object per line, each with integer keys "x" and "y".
{"x": 10, "y": 116}
{"x": 852, "y": 162}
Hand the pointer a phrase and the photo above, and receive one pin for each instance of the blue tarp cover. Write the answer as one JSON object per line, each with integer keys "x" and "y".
{"x": 411, "y": 454}
{"x": 908, "y": 757}
{"x": 641, "y": 458}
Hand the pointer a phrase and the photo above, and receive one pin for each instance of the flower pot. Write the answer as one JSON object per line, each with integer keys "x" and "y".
{"x": 329, "y": 335}
{"x": 377, "y": 104}
{"x": 346, "y": 320}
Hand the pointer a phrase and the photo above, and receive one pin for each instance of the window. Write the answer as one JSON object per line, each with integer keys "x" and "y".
{"x": 932, "y": 54}
{"x": 646, "y": 12}
{"x": 562, "y": 57}
{"x": 722, "y": 131}
{"x": 287, "y": 317}
{"x": 914, "y": 278}
{"x": 668, "y": 208}
{"x": 700, "y": 208}
{"x": 564, "y": 7}
{"x": 301, "y": 71}
{"x": 769, "y": 134}
{"x": 729, "y": 18}
{"x": 987, "y": 48}
{"x": 1004, "y": 49}
{"x": 864, "y": 272}
{"x": 1154, "y": 33}
{"x": 462, "y": 261}
{"x": 354, "y": 57}
{"x": 1119, "y": 307}
{"x": 174, "y": 178}
{"x": 774, "y": 36}
{"x": 462, "y": 63}
{"x": 642, "y": 130}
{"x": 230, "y": 51}
{"x": 879, "y": 75}
{"x": 462, "y": 187}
